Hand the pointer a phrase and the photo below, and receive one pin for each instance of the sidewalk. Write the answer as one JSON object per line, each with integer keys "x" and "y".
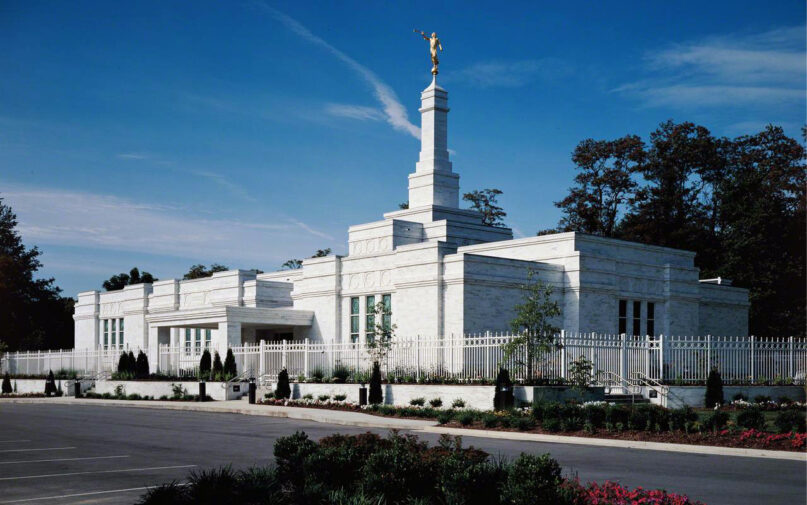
{"x": 345, "y": 418}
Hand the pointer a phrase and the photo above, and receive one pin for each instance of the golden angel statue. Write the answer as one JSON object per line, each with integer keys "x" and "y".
{"x": 434, "y": 44}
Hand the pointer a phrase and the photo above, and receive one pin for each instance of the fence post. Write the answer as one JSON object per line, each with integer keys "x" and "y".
{"x": 563, "y": 353}
{"x": 623, "y": 356}
{"x": 261, "y": 358}
{"x": 790, "y": 360}
{"x": 647, "y": 344}
{"x": 417, "y": 358}
{"x": 708, "y": 355}
{"x": 661, "y": 358}
{"x": 753, "y": 374}
{"x": 283, "y": 355}
{"x": 305, "y": 357}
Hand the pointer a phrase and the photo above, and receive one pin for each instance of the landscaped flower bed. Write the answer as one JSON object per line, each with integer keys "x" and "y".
{"x": 397, "y": 470}
{"x": 644, "y": 422}
{"x": 179, "y": 394}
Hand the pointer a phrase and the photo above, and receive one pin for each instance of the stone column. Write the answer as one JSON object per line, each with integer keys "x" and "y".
{"x": 229, "y": 335}
{"x": 157, "y": 336}
{"x": 433, "y": 182}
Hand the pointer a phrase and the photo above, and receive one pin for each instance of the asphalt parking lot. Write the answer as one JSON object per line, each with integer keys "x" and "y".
{"x": 94, "y": 454}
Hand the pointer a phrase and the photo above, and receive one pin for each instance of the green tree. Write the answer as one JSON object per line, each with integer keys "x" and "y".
{"x": 142, "y": 366}
{"x": 218, "y": 368}
{"x": 229, "y": 369}
{"x": 122, "y": 280}
{"x": 604, "y": 185}
{"x": 33, "y": 314}
{"x": 485, "y": 202}
{"x": 283, "y": 387}
{"x": 292, "y": 264}
{"x": 670, "y": 209}
{"x": 6, "y": 384}
{"x": 321, "y": 253}
{"x": 532, "y": 327}
{"x": 375, "y": 395}
{"x": 204, "y": 365}
{"x": 403, "y": 205}
{"x": 761, "y": 229}
{"x": 200, "y": 271}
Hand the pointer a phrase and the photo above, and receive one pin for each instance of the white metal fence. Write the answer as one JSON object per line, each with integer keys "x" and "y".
{"x": 476, "y": 357}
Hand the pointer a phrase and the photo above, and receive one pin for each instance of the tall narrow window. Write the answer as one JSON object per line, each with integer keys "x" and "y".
{"x": 637, "y": 318}
{"x": 120, "y": 332}
{"x": 188, "y": 341}
{"x": 106, "y": 333}
{"x": 198, "y": 343}
{"x": 112, "y": 331}
{"x": 354, "y": 319}
{"x": 369, "y": 318}
{"x": 623, "y": 317}
{"x": 651, "y": 319}
{"x": 208, "y": 333}
{"x": 386, "y": 322}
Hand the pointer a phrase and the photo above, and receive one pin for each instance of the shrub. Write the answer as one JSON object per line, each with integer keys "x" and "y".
{"x": 444, "y": 417}
{"x": 436, "y": 403}
{"x": 134, "y": 396}
{"x": 340, "y": 374}
{"x": 177, "y": 391}
{"x": 123, "y": 363}
{"x": 131, "y": 364}
{"x": 752, "y": 418}
{"x": 50, "y": 384}
{"x": 552, "y": 424}
{"x": 142, "y": 366}
{"x": 204, "y": 365}
{"x": 716, "y": 420}
{"x": 324, "y": 398}
{"x": 617, "y": 414}
{"x": 458, "y": 403}
{"x": 503, "y": 396}
{"x": 218, "y": 368}
{"x": 269, "y": 395}
{"x": 790, "y": 420}
{"x": 714, "y": 389}
{"x": 7, "y": 390}
{"x": 340, "y": 398}
{"x": 465, "y": 418}
{"x": 762, "y": 399}
{"x": 532, "y": 480}
{"x": 679, "y": 418}
{"x": 120, "y": 391}
{"x": 308, "y": 396}
{"x": 230, "y": 369}
{"x": 418, "y": 402}
{"x": 595, "y": 415}
{"x": 523, "y": 423}
{"x": 375, "y": 396}
{"x": 739, "y": 396}
{"x": 283, "y": 388}
{"x": 490, "y": 420}
{"x": 317, "y": 375}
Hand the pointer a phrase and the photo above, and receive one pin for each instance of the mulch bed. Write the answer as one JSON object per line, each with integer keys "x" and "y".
{"x": 755, "y": 440}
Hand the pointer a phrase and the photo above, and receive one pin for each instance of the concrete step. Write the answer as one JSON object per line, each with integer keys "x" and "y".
{"x": 626, "y": 398}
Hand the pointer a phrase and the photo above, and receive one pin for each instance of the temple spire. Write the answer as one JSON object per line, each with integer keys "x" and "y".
{"x": 433, "y": 182}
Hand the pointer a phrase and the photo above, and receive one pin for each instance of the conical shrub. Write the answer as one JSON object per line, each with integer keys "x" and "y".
{"x": 142, "y": 366}
{"x": 7, "y": 384}
{"x": 375, "y": 397}
{"x": 230, "y": 369}
{"x": 283, "y": 387}
{"x": 218, "y": 368}
{"x": 50, "y": 384}
{"x": 204, "y": 365}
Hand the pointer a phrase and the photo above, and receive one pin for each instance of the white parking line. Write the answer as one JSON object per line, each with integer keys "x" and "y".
{"x": 97, "y": 471}
{"x": 76, "y": 495}
{"x": 42, "y": 449}
{"x": 60, "y": 459}
{"x": 12, "y": 441}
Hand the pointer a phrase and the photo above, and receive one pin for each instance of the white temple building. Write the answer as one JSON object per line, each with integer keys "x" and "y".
{"x": 441, "y": 271}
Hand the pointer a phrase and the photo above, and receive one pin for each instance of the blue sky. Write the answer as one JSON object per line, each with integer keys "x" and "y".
{"x": 162, "y": 134}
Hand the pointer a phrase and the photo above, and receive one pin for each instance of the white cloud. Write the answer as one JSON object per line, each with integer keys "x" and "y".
{"x": 394, "y": 111}
{"x": 511, "y": 74}
{"x": 765, "y": 69}
{"x": 133, "y": 156}
{"x": 359, "y": 112}
{"x": 89, "y": 220}
{"x": 231, "y": 187}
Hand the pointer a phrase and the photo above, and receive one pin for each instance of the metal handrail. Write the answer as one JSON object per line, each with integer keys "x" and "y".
{"x": 663, "y": 389}
{"x": 245, "y": 375}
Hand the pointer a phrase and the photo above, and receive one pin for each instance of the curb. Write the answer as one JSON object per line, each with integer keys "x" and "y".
{"x": 621, "y": 444}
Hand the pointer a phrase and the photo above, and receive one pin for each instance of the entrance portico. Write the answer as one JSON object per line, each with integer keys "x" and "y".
{"x": 230, "y": 326}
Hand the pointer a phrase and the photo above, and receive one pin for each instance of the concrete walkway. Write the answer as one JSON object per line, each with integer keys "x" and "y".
{"x": 345, "y": 418}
